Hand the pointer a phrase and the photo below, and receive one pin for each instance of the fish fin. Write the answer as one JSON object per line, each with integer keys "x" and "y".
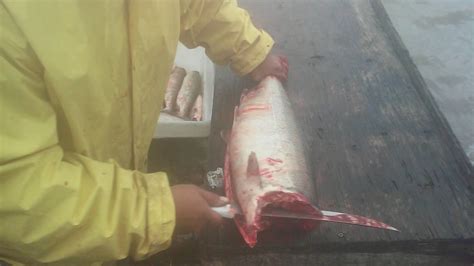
{"x": 339, "y": 217}
{"x": 236, "y": 110}
{"x": 244, "y": 93}
{"x": 225, "y": 135}
{"x": 252, "y": 166}
{"x": 227, "y": 177}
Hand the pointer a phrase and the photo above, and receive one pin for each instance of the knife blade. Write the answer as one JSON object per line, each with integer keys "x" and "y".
{"x": 232, "y": 209}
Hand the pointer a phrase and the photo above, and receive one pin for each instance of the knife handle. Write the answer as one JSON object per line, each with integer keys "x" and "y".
{"x": 224, "y": 211}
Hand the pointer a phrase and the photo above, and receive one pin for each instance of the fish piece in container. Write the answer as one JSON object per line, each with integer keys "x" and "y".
{"x": 172, "y": 89}
{"x": 196, "y": 112}
{"x": 188, "y": 93}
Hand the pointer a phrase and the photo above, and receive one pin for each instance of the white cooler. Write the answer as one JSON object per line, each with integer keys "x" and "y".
{"x": 191, "y": 60}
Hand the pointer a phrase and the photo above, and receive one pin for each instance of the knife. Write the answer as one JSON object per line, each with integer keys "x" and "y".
{"x": 232, "y": 209}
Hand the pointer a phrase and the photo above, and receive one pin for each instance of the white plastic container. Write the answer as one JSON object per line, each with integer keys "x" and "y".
{"x": 172, "y": 127}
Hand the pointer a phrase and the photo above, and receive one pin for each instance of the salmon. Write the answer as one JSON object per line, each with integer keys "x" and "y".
{"x": 196, "y": 112}
{"x": 265, "y": 167}
{"x": 172, "y": 89}
{"x": 188, "y": 93}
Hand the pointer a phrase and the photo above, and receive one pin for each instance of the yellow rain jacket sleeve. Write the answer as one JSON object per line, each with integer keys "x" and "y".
{"x": 61, "y": 205}
{"x": 80, "y": 87}
{"x": 227, "y": 33}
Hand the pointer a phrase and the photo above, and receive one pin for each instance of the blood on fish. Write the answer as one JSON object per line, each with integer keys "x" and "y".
{"x": 255, "y": 107}
{"x": 273, "y": 161}
{"x": 269, "y": 176}
{"x": 265, "y": 171}
{"x": 249, "y": 94}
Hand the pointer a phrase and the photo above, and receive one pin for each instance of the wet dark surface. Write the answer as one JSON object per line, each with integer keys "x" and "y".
{"x": 377, "y": 144}
{"x": 439, "y": 35}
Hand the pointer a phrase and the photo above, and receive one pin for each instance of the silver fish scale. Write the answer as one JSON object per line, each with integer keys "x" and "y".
{"x": 288, "y": 142}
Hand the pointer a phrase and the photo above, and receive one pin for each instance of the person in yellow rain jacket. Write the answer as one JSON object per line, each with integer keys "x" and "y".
{"x": 79, "y": 85}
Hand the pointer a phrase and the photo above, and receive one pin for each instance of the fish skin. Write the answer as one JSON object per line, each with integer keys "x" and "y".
{"x": 265, "y": 163}
{"x": 172, "y": 89}
{"x": 196, "y": 112}
{"x": 188, "y": 93}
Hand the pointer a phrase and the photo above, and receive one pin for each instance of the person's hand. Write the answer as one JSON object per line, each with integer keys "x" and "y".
{"x": 193, "y": 208}
{"x": 273, "y": 65}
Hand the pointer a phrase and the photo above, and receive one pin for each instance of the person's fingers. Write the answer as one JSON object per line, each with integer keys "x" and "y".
{"x": 285, "y": 72}
{"x": 256, "y": 76}
{"x": 275, "y": 71}
{"x": 214, "y": 218}
{"x": 283, "y": 60}
{"x": 197, "y": 226}
{"x": 281, "y": 77}
{"x": 213, "y": 199}
{"x": 283, "y": 69}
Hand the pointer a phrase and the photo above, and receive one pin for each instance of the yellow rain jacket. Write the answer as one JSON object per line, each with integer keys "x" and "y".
{"x": 81, "y": 82}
